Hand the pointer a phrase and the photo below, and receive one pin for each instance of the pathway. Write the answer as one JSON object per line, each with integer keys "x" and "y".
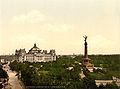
{"x": 13, "y": 82}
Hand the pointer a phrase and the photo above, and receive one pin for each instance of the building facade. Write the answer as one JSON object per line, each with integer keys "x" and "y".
{"x": 20, "y": 55}
{"x": 35, "y": 55}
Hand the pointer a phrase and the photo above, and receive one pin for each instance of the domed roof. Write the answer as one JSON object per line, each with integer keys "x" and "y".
{"x": 34, "y": 49}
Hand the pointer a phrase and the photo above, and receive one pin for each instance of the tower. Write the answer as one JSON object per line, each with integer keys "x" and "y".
{"x": 86, "y": 61}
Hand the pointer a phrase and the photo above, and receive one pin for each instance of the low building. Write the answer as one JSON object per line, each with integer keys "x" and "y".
{"x": 36, "y": 55}
{"x": 103, "y": 82}
{"x": 7, "y": 58}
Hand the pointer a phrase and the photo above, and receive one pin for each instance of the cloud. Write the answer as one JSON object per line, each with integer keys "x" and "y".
{"x": 36, "y": 20}
{"x": 101, "y": 44}
{"x": 29, "y": 39}
{"x": 29, "y": 18}
{"x": 101, "y": 41}
{"x": 57, "y": 27}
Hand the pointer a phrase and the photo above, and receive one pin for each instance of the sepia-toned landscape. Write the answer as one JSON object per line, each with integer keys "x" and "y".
{"x": 59, "y": 44}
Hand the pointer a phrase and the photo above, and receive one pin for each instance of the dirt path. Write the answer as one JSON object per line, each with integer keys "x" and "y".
{"x": 13, "y": 82}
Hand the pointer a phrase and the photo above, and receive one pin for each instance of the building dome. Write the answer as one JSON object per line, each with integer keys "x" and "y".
{"x": 34, "y": 49}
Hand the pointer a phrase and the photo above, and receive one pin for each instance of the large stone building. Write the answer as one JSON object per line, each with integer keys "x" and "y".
{"x": 35, "y": 55}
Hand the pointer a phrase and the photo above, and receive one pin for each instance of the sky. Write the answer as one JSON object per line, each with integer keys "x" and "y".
{"x": 60, "y": 25}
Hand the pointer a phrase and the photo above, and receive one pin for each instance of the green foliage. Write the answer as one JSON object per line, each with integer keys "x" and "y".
{"x": 111, "y": 86}
{"x": 108, "y": 86}
{"x": 3, "y": 74}
{"x": 57, "y": 73}
{"x": 110, "y": 63}
{"x": 89, "y": 83}
{"x": 100, "y": 75}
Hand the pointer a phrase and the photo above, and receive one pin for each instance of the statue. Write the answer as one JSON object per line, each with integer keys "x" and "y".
{"x": 85, "y": 37}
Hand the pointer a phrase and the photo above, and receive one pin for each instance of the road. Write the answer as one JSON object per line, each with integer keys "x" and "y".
{"x": 13, "y": 82}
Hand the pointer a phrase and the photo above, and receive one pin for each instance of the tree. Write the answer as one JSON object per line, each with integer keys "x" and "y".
{"x": 3, "y": 74}
{"x": 101, "y": 86}
{"x": 111, "y": 86}
{"x": 89, "y": 83}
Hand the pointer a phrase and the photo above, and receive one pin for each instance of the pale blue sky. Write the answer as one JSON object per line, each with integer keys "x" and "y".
{"x": 60, "y": 25}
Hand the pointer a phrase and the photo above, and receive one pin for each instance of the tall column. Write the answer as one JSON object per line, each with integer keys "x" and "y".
{"x": 85, "y": 57}
{"x": 86, "y": 60}
{"x": 85, "y": 48}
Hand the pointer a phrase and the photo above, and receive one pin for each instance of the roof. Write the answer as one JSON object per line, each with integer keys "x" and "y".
{"x": 34, "y": 48}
